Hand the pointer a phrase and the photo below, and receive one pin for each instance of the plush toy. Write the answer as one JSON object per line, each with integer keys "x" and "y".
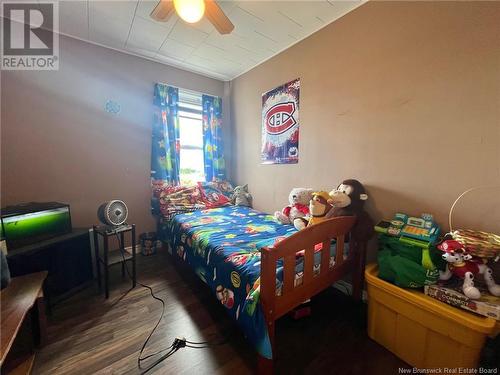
{"x": 297, "y": 209}
{"x": 319, "y": 207}
{"x": 241, "y": 196}
{"x": 348, "y": 199}
{"x": 462, "y": 264}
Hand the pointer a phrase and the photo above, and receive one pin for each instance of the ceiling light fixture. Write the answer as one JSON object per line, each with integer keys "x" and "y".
{"x": 190, "y": 11}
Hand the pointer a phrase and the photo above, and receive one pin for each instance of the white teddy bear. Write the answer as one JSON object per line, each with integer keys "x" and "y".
{"x": 297, "y": 210}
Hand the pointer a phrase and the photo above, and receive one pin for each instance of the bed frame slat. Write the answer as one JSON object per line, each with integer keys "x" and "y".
{"x": 325, "y": 257}
{"x": 288, "y": 274}
{"x": 308, "y": 265}
{"x": 339, "y": 251}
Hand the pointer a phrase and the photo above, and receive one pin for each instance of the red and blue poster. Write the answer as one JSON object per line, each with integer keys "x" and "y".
{"x": 280, "y": 124}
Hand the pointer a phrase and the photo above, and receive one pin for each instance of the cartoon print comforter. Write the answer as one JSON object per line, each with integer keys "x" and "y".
{"x": 222, "y": 246}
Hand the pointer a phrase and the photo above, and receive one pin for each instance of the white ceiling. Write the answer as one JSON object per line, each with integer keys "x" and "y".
{"x": 262, "y": 29}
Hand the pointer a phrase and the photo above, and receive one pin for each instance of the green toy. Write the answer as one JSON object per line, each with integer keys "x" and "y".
{"x": 421, "y": 232}
{"x": 401, "y": 263}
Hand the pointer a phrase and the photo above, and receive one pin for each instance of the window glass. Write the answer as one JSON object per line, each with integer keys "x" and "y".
{"x": 191, "y": 138}
{"x": 192, "y": 167}
{"x": 191, "y": 132}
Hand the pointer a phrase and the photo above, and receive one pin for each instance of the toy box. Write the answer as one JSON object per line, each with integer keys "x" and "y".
{"x": 422, "y": 331}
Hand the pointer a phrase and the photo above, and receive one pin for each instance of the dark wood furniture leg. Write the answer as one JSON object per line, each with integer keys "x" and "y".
{"x": 106, "y": 268}
{"x": 97, "y": 262}
{"x": 39, "y": 321}
{"x": 122, "y": 249}
{"x": 134, "y": 275}
{"x": 358, "y": 273}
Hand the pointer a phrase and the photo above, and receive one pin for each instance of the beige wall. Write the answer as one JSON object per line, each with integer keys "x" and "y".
{"x": 58, "y": 142}
{"x": 403, "y": 96}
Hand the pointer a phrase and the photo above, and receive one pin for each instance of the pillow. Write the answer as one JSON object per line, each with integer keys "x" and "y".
{"x": 225, "y": 187}
{"x": 160, "y": 188}
{"x": 181, "y": 199}
{"x": 213, "y": 197}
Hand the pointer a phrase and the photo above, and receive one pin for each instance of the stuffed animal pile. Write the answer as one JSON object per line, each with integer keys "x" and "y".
{"x": 308, "y": 208}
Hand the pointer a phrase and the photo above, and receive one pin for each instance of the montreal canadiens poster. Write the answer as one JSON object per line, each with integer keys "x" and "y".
{"x": 280, "y": 124}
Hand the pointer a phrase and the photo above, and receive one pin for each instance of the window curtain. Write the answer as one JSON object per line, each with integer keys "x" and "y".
{"x": 165, "y": 147}
{"x": 213, "y": 148}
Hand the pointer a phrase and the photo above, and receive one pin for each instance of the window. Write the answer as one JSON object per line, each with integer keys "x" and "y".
{"x": 192, "y": 167}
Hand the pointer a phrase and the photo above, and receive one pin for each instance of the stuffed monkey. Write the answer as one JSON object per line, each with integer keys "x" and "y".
{"x": 348, "y": 199}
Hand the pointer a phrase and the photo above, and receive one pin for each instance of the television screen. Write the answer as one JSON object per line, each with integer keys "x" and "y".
{"x": 30, "y": 226}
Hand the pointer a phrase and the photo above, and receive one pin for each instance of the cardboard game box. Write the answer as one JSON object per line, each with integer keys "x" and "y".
{"x": 451, "y": 294}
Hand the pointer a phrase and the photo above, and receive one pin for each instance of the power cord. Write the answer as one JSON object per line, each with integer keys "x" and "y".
{"x": 178, "y": 343}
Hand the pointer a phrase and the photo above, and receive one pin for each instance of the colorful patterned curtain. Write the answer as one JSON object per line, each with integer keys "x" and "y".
{"x": 165, "y": 147}
{"x": 215, "y": 166}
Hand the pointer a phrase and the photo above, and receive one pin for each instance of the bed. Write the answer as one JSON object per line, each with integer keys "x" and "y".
{"x": 259, "y": 269}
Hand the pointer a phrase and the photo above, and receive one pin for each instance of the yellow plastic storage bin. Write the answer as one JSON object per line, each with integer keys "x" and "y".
{"x": 420, "y": 330}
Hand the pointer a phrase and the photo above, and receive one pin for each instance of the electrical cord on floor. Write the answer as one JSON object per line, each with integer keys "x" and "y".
{"x": 179, "y": 342}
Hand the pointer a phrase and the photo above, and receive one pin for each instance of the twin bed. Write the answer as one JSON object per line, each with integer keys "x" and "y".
{"x": 260, "y": 269}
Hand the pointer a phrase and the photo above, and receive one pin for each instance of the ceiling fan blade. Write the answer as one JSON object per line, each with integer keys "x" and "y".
{"x": 217, "y": 17}
{"x": 163, "y": 10}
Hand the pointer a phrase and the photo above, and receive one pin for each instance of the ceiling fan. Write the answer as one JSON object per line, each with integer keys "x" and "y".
{"x": 192, "y": 11}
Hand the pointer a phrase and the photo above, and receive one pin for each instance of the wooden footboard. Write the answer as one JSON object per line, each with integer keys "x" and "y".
{"x": 312, "y": 283}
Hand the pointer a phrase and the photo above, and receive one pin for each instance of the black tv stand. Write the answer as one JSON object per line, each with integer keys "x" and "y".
{"x": 66, "y": 257}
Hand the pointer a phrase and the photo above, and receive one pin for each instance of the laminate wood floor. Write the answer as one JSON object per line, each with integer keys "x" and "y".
{"x": 90, "y": 335}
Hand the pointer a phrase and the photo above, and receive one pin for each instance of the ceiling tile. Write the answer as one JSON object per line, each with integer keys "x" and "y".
{"x": 223, "y": 41}
{"x": 108, "y": 32}
{"x": 122, "y": 10}
{"x": 183, "y": 33}
{"x": 205, "y": 70}
{"x": 203, "y": 25}
{"x": 110, "y": 21}
{"x": 262, "y": 29}
{"x": 244, "y": 22}
{"x": 172, "y": 48}
{"x": 73, "y": 18}
{"x": 305, "y": 15}
{"x": 148, "y": 35}
{"x": 227, "y": 6}
{"x": 141, "y": 52}
{"x": 201, "y": 61}
{"x": 275, "y": 25}
{"x": 217, "y": 54}
{"x": 145, "y": 7}
{"x": 235, "y": 45}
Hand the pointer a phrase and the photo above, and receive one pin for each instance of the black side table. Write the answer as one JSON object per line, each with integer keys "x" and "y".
{"x": 110, "y": 257}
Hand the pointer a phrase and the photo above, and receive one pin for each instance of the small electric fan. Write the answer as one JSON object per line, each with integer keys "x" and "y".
{"x": 113, "y": 213}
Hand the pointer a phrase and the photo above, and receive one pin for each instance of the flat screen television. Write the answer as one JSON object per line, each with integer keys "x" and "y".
{"x": 29, "y": 223}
